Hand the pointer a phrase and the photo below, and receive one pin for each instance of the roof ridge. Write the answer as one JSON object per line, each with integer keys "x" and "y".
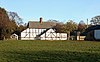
{"x": 36, "y": 24}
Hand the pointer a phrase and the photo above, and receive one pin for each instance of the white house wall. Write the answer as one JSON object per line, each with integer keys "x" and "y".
{"x": 30, "y": 34}
{"x": 52, "y": 35}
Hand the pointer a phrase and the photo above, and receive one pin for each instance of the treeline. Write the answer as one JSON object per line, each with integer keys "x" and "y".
{"x": 10, "y": 23}
{"x": 70, "y": 27}
{"x": 73, "y": 28}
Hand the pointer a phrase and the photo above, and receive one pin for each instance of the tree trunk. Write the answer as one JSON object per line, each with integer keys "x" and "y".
{"x": 4, "y": 38}
{"x": 68, "y": 35}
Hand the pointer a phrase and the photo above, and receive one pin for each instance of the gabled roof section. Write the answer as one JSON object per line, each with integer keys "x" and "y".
{"x": 94, "y": 27}
{"x": 91, "y": 28}
{"x": 43, "y": 32}
{"x": 38, "y": 25}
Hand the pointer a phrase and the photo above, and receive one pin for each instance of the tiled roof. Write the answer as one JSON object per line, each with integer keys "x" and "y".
{"x": 91, "y": 28}
{"x": 43, "y": 25}
{"x": 94, "y": 27}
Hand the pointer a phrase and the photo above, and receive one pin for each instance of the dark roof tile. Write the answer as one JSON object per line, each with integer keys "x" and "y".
{"x": 38, "y": 25}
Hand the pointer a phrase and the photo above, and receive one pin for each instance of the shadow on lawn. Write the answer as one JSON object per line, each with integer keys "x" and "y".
{"x": 51, "y": 56}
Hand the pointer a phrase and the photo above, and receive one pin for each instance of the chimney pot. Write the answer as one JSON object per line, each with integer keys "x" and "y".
{"x": 40, "y": 19}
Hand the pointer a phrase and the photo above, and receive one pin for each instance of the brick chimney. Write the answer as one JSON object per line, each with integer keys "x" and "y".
{"x": 41, "y": 20}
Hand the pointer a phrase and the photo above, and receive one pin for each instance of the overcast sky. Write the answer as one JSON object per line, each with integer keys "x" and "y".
{"x": 62, "y": 10}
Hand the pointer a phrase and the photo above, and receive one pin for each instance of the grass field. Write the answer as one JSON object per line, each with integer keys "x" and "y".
{"x": 49, "y": 51}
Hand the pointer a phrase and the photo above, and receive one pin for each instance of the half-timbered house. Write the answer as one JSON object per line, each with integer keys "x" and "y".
{"x": 42, "y": 31}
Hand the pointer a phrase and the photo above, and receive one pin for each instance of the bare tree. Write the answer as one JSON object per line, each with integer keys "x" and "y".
{"x": 13, "y": 16}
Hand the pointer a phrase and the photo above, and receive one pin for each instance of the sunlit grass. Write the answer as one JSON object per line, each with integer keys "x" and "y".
{"x": 49, "y": 51}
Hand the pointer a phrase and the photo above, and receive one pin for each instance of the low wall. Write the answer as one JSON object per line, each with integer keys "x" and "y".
{"x": 81, "y": 37}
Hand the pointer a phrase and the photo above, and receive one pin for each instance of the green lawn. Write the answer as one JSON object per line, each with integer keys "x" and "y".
{"x": 49, "y": 51}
